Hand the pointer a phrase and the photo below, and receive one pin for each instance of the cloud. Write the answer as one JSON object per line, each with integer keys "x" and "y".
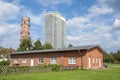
{"x": 10, "y": 32}
{"x": 116, "y": 23}
{"x": 37, "y": 24}
{"x": 9, "y": 35}
{"x": 96, "y": 10}
{"x": 93, "y": 28}
{"x": 53, "y": 2}
{"x": 35, "y": 19}
{"x": 8, "y": 11}
{"x": 114, "y": 4}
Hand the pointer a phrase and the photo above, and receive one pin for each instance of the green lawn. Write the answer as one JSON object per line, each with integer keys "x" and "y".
{"x": 106, "y": 74}
{"x": 113, "y": 65}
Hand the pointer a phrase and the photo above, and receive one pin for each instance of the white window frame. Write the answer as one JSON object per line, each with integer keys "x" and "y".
{"x": 96, "y": 60}
{"x": 24, "y": 60}
{"x": 15, "y": 61}
{"x": 93, "y": 60}
{"x": 72, "y": 60}
{"x": 40, "y": 60}
{"x": 53, "y": 61}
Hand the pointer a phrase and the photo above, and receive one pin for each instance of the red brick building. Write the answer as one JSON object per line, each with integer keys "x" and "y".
{"x": 87, "y": 57}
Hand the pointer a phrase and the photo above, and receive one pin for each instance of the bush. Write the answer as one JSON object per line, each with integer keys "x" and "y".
{"x": 115, "y": 62}
{"x": 55, "y": 67}
{"x": 4, "y": 63}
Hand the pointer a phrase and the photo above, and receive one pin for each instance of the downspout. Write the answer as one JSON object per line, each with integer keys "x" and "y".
{"x": 81, "y": 59}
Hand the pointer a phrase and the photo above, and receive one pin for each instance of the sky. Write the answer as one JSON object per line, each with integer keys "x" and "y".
{"x": 88, "y": 22}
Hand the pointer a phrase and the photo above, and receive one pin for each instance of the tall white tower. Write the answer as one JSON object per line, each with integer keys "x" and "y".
{"x": 55, "y": 30}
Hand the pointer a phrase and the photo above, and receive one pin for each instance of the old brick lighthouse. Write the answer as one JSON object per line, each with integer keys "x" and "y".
{"x": 25, "y": 28}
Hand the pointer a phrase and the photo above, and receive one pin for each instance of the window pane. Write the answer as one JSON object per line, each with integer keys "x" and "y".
{"x": 53, "y": 60}
{"x": 93, "y": 60}
{"x": 96, "y": 60}
{"x": 24, "y": 60}
{"x": 15, "y": 60}
{"x": 40, "y": 61}
{"x": 72, "y": 60}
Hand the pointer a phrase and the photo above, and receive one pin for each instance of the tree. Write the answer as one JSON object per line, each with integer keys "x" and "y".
{"x": 37, "y": 45}
{"x": 26, "y": 45}
{"x": 117, "y": 56}
{"x": 47, "y": 46}
{"x": 108, "y": 58}
{"x": 5, "y": 53}
{"x": 70, "y": 45}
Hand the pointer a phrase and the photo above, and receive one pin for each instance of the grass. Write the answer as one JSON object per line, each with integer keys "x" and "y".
{"x": 113, "y": 65}
{"x": 106, "y": 74}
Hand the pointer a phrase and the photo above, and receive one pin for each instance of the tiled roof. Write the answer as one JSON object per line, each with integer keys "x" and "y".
{"x": 57, "y": 50}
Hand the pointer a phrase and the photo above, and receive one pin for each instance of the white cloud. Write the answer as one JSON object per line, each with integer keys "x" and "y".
{"x": 95, "y": 28}
{"x": 114, "y": 4}
{"x": 90, "y": 29}
{"x": 9, "y": 35}
{"x": 96, "y": 10}
{"x": 37, "y": 24}
{"x": 10, "y": 32}
{"x": 116, "y": 23}
{"x": 36, "y": 19}
{"x": 8, "y": 10}
{"x": 54, "y": 2}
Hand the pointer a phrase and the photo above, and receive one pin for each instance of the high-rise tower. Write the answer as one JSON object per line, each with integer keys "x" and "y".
{"x": 25, "y": 28}
{"x": 55, "y": 30}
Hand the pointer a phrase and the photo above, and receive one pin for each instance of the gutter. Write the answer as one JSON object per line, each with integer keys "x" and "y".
{"x": 81, "y": 59}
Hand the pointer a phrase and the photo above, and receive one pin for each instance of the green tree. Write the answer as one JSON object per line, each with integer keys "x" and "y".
{"x": 108, "y": 58}
{"x": 117, "y": 56}
{"x": 26, "y": 45}
{"x": 37, "y": 45}
{"x": 70, "y": 45}
{"x": 5, "y": 52}
{"x": 47, "y": 46}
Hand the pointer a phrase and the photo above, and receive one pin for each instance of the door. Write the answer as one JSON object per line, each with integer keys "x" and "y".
{"x": 89, "y": 63}
{"x": 99, "y": 62}
{"x": 32, "y": 62}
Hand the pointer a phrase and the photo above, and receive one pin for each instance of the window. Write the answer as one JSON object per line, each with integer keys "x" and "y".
{"x": 93, "y": 60}
{"x": 40, "y": 61}
{"x": 15, "y": 60}
{"x": 24, "y": 22}
{"x": 72, "y": 60}
{"x": 24, "y": 60}
{"x": 96, "y": 60}
{"x": 53, "y": 60}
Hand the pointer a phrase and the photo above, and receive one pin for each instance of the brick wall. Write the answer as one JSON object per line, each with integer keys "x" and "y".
{"x": 62, "y": 58}
{"x": 96, "y": 59}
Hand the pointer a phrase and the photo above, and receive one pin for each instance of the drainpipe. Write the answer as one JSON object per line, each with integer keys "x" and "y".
{"x": 81, "y": 59}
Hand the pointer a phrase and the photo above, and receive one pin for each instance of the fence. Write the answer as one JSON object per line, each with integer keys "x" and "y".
{"x": 23, "y": 69}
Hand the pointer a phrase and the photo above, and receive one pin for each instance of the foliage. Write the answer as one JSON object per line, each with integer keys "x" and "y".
{"x": 108, "y": 58}
{"x": 112, "y": 57}
{"x": 70, "y": 45}
{"x": 26, "y": 45}
{"x": 117, "y": 56}
{"x": 37, "y": 45}
{"x": 4, "y": 63}
{"x": 55, "y": 67}
{"x": 47, "y": 46}
{"x": 6, "y": 50}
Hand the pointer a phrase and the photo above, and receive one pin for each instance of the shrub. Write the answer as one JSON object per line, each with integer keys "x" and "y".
{"x": 115, "y": 62}
{"x": 55, "y": 67}
{"x": 4, "y": 63}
